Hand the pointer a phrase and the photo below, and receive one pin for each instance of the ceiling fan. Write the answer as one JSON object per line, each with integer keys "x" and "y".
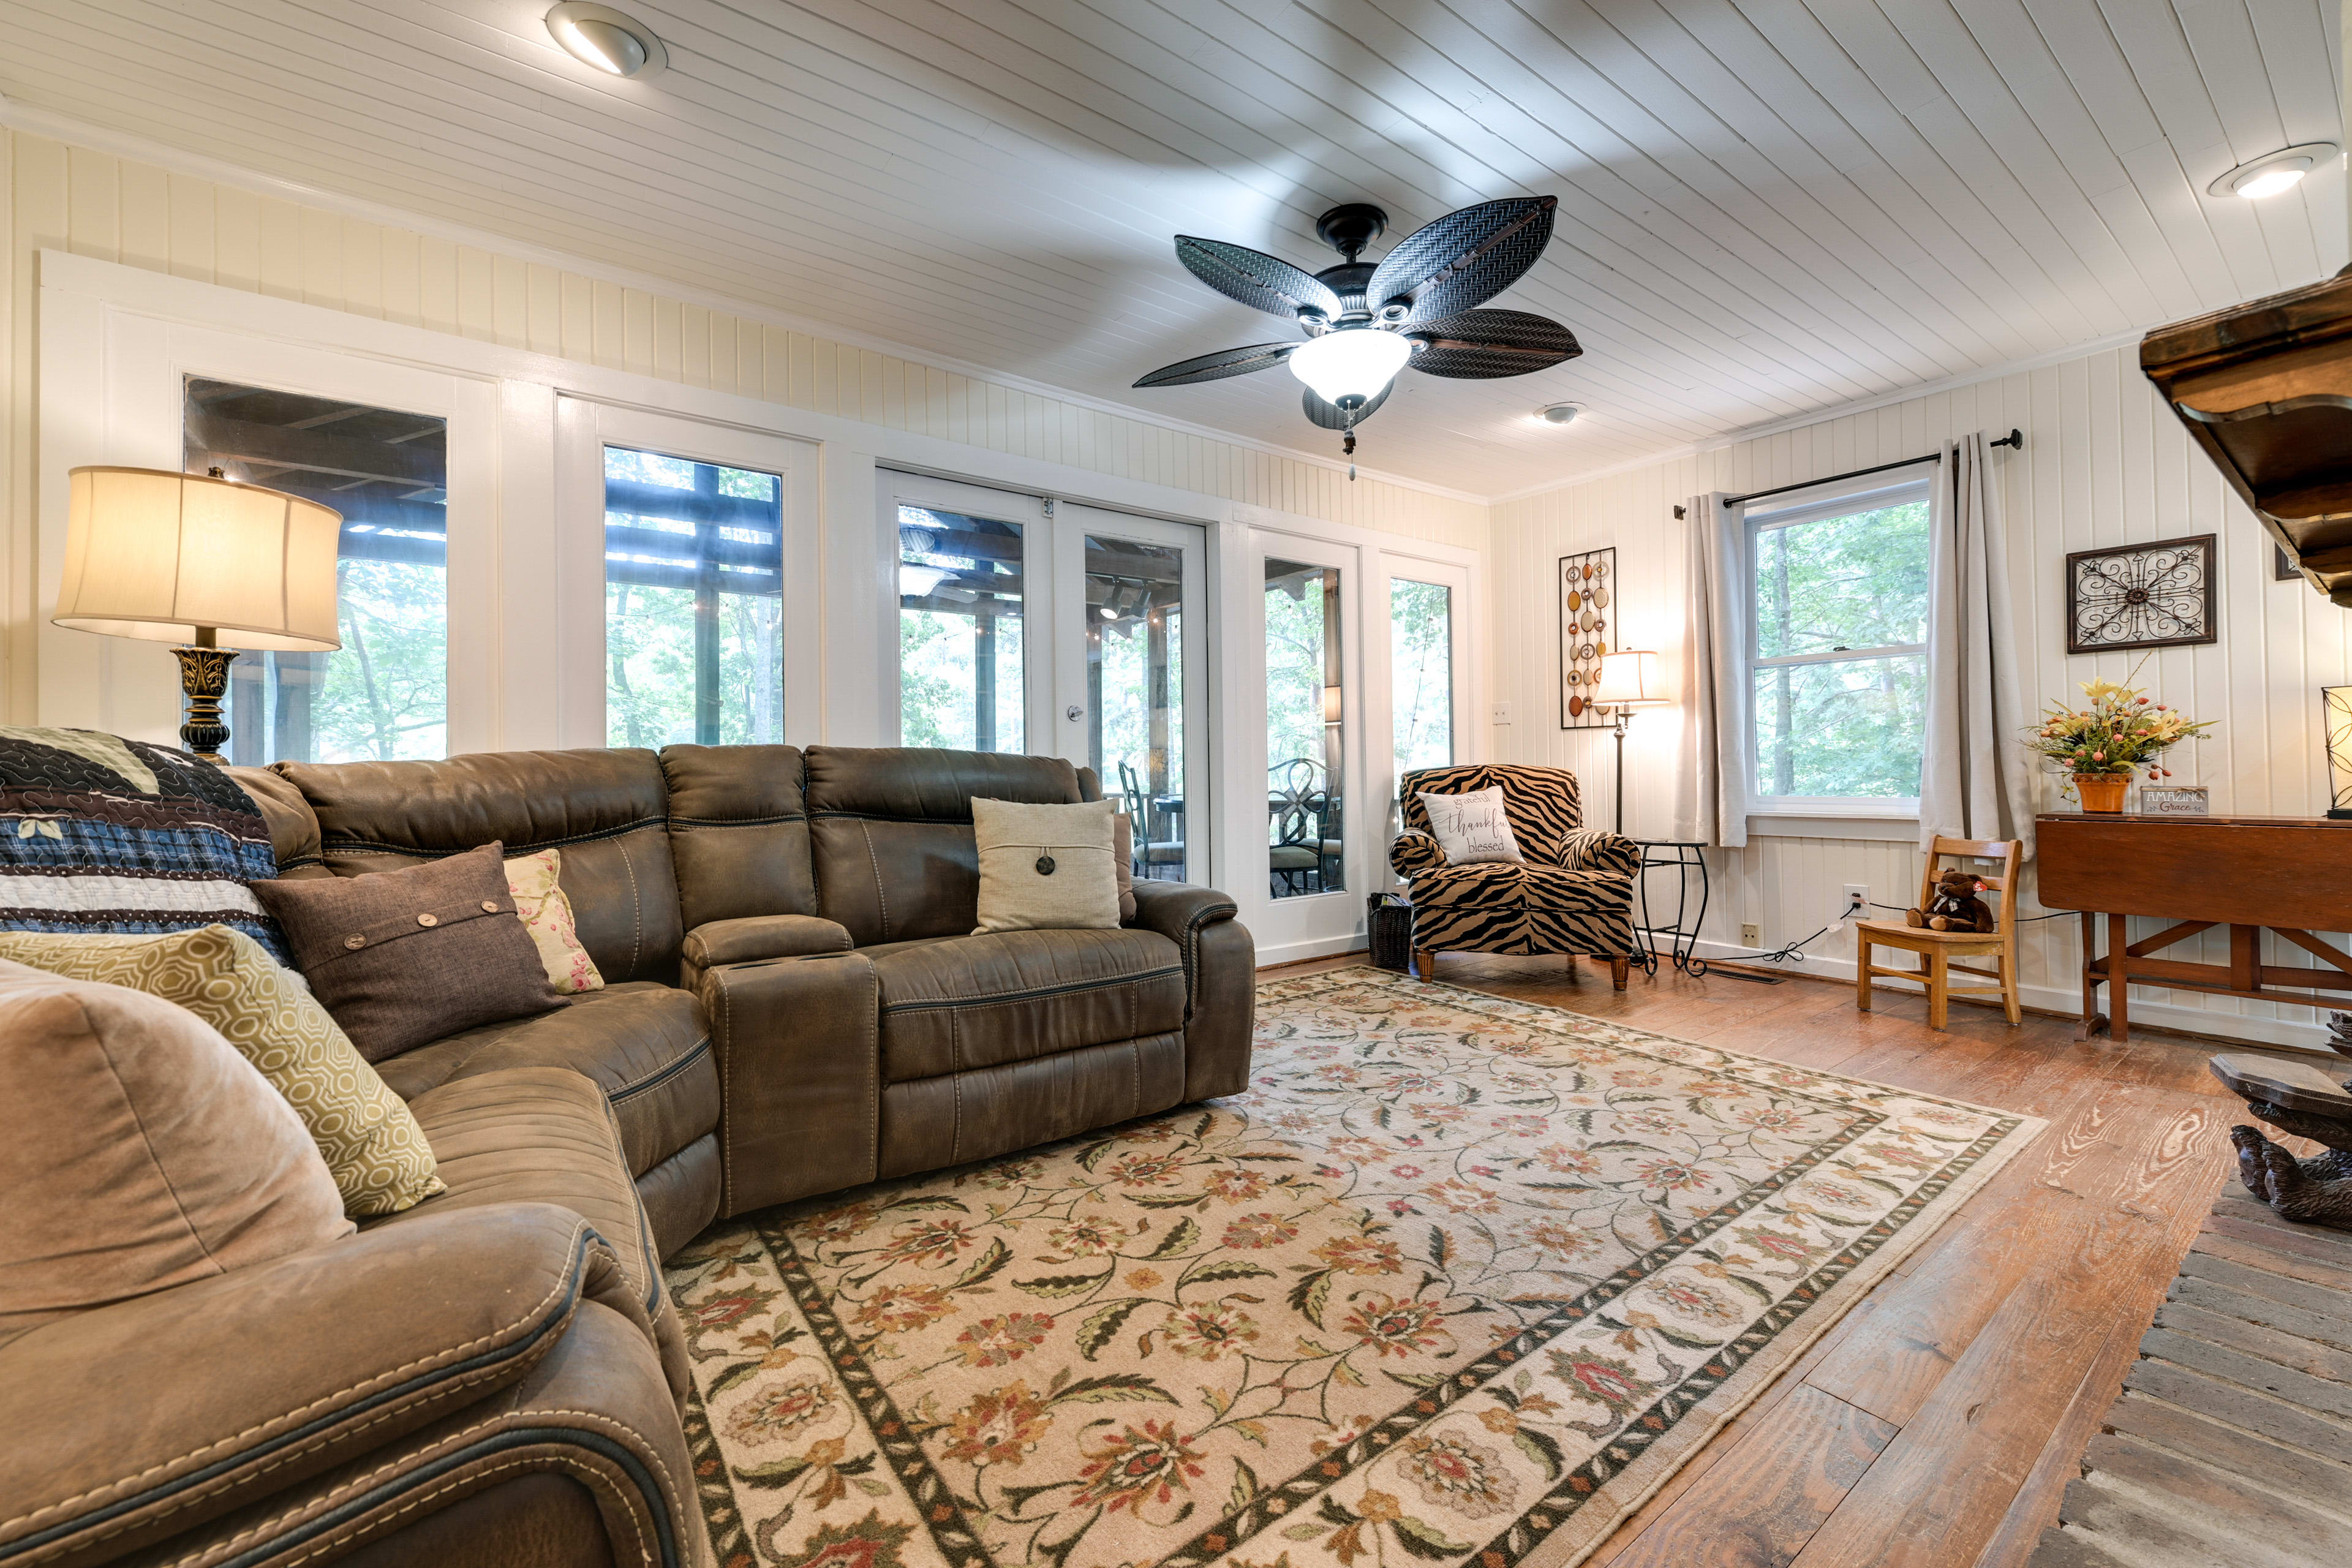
{"x": 1364, "y": 321}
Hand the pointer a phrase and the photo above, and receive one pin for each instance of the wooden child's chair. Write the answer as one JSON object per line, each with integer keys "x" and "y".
{"x": 1936, "y": 949}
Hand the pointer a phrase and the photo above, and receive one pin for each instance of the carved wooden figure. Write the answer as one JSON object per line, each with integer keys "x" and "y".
{"x": 2300, "y": 1099}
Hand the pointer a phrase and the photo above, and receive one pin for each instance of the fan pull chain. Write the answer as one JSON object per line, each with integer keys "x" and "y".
{"x": 1348, "y": 448}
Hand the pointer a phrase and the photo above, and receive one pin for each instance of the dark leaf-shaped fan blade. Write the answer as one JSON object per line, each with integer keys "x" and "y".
{"x": 1332, "y": 417}
{"x": 1219, "y": 365}
{"x": 1464, "y": 258}
{"x": 1262, "y": 282}
{"x": 1479, "y": 345}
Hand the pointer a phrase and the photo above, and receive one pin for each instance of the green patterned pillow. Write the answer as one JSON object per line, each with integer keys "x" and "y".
{"x": 374, "y": 1146}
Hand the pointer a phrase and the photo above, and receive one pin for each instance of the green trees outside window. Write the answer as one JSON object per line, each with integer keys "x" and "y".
{"x": 1421, "y": 672}
{"x": 383, "y": 695}
{"x": 693, "y": 603}
{"x": 1840, "y": 663}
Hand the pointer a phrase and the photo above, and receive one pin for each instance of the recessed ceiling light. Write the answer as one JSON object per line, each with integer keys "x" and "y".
{"x": 2268, "y": 176}
{"x": 1559, "y": 413}
{"x": 613, "y": 43}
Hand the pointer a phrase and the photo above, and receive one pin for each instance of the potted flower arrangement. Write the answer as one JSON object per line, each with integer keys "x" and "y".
{"x": 2103, "y": 744}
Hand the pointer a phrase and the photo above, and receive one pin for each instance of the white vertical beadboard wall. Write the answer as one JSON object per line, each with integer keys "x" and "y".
{"x": 2103, "y": 465}
{"x": 71, "y": 199}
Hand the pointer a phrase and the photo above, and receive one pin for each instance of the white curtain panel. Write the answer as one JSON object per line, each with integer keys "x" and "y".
{"x": 1711, "y": 777}
{"x": 1975, "y": 781}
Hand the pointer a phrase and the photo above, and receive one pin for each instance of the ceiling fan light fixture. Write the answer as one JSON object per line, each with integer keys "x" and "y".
{"x": 2267, "y": 177}
{"x": 608, "y": 40}
{"x": 1352, "y": 362}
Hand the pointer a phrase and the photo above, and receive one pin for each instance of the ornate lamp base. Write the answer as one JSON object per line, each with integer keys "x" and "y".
{"x": 204, "y": 681}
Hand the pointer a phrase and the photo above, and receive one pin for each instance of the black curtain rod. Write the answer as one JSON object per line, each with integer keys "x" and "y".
{"x": 2014, "y": 438}
{"x": 1833, "y": 478}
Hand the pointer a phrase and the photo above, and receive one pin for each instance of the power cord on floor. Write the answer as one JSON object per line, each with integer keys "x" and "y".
{"x": 1787, "y": 953}
{"x": 1793, "y": 952}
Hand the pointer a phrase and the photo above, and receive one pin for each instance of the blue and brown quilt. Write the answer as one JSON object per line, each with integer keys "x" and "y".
{"x": 102, "y": 834}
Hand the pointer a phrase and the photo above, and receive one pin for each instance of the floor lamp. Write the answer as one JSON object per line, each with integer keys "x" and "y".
{"x": 1629, "y": 679}
{"x": 202, "y": 562}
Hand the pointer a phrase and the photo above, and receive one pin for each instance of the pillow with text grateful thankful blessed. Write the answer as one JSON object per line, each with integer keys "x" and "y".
{"x": 1471, "y": 828}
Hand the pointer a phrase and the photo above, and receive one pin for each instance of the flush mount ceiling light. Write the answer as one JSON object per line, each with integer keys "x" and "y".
{"x": 1559, "y": 413}
{"x": 612, "y": 42}
{"x": 2268, "y": 176}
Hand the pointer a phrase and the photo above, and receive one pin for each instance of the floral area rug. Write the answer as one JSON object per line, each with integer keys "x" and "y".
{"x": 1459, "y": 1280}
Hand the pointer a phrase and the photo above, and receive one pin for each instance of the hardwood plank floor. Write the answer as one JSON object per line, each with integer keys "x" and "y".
{"x": 1937, "y": 1424}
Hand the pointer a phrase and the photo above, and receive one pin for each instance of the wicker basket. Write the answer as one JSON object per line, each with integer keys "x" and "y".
{"x": 1388, "y": 925}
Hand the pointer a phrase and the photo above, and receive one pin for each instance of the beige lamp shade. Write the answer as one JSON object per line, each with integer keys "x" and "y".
{"x": 1632, "y": 678}
{"x": 156, "y": 555}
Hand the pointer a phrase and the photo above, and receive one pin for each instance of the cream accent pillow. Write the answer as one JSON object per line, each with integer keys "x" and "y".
{"x": 372, "y": 1145}
{"x": 1045, "y": 868}
{"x": 547, "y": 915}
{"x": 139, "y": 1152}
{"x": 1471, "y": 828}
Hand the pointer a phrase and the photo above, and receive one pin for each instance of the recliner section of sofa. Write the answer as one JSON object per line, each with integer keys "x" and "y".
{"x": 871, "y": 1031}
{"x": 643, "y": 1040}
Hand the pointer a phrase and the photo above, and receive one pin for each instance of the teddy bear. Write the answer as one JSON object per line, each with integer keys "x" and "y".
{"x": 1955, "y": 906}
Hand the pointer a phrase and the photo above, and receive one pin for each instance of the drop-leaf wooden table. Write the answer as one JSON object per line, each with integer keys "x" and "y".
{"x": 2291, "y": 875}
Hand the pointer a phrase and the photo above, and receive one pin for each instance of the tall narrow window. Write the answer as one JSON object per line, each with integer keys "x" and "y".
{"x": 1304, "y": 713}
{"x": 1421, "y": 672}
{"x": 1134, "y": 634}
{"x": 1840, "y": 665}
{"x": 960, "y": 642}
{"x": 383, "y": 695}
{"x": 694, "y": 641}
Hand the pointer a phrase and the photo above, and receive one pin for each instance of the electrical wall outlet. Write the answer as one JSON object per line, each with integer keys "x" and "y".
{"x": 1502, "y": 713}
{"x": 1857, "y": 902}
{"x": 1751, "y": 934}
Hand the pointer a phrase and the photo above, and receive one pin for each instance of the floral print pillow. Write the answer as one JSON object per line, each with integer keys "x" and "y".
{"x": 547, "y": 915}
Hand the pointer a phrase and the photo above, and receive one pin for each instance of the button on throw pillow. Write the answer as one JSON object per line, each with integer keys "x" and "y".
{"x": 1471, "y": 828}
{"x": 547, "y": 915}
{"x": 373, "y": 1146}
{"x": 1045, "y": 868}
{"x": 138, "y": 1152}
{"x": 403, "y": 957}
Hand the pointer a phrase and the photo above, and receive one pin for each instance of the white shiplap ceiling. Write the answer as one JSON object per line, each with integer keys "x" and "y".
{"x": 1766, "y": 206}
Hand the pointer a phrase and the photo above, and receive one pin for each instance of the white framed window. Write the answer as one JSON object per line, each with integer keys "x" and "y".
{"x": 688, "y": 581}
{"x": 1837, "y": 655}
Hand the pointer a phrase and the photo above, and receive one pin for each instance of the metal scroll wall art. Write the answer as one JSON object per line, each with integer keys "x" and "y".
{"x": 2145, "y": 595}
{"x": 1588, "y": 629}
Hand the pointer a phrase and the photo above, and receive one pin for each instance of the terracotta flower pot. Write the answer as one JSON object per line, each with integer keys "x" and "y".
{"x": 2101, "y": 791}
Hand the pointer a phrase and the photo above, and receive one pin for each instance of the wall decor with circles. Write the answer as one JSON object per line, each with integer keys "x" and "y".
{"x": 1588, "y": 629}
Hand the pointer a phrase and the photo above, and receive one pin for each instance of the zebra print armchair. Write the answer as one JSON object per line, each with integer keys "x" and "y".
{"x": 1573, "y": 894}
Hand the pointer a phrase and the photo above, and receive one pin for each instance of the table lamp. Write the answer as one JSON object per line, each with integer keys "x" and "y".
{"x": 204, "y": 562}
{"x": 1630, "y": 679}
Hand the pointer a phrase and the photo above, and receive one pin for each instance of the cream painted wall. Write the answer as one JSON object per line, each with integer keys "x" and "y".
{"x": 93, "y": 203}
{"x": 2104, "y": 463}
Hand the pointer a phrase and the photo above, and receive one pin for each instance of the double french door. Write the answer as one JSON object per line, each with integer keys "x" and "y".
{"x": 1053, "y": 628}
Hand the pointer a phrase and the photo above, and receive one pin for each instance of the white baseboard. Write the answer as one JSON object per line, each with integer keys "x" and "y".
{"x": 1311, "y": 947}
{"x": 2312, "y": 1037}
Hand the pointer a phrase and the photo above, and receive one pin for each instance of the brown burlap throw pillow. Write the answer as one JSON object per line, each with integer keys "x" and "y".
{"x": 403, "y": 957}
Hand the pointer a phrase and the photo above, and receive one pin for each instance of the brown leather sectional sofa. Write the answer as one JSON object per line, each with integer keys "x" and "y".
{"x": 794, "y": 1004}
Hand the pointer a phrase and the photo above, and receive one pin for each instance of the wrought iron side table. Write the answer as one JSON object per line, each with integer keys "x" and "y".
{"x": 1683, "y": 857}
